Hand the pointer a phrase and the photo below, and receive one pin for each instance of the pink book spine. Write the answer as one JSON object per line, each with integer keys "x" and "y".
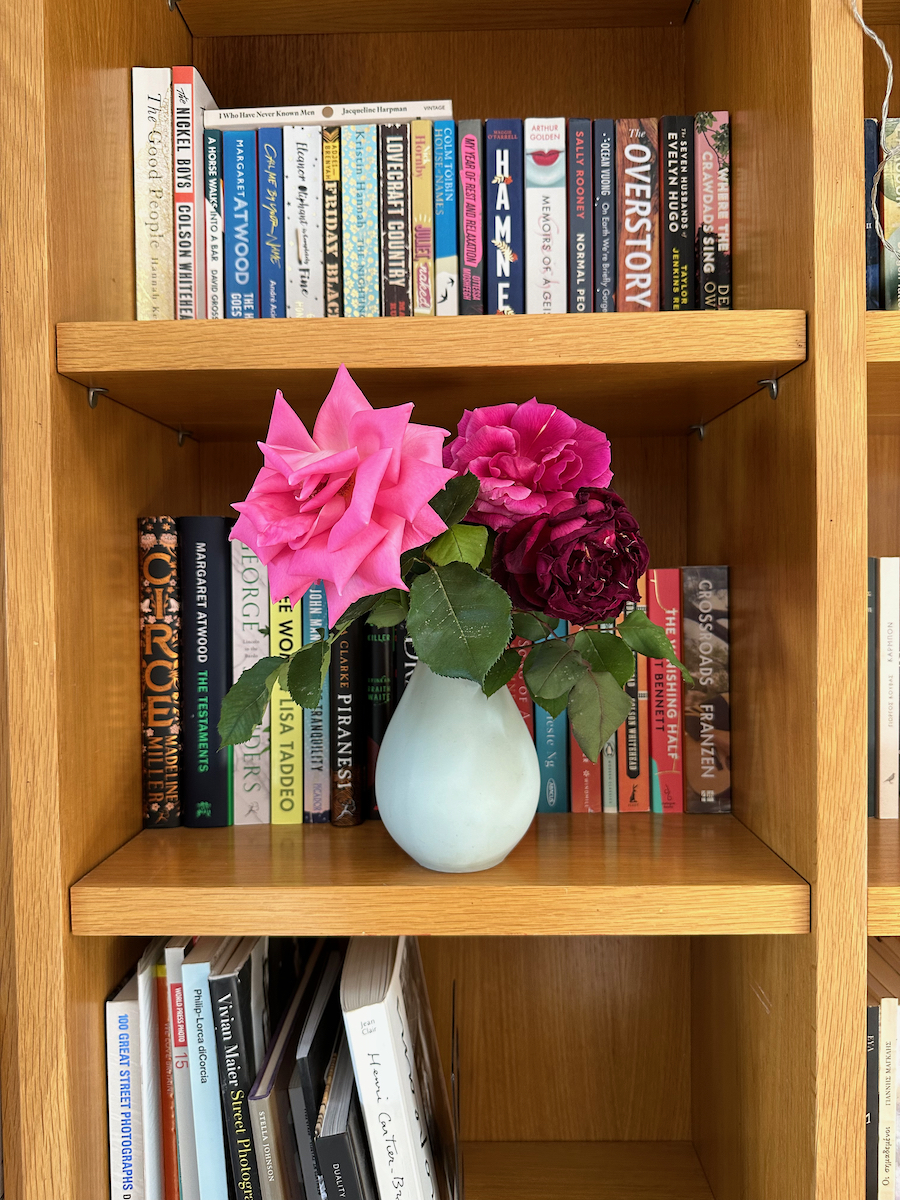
{"x": 520, "y": 693}
{"x": 666, "y": 706}
{"x": 705, "y": 185}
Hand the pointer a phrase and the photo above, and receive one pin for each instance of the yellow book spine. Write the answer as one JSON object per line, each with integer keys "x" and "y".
{"x": 285, "y": 636}
{"x": 422, "y": 170}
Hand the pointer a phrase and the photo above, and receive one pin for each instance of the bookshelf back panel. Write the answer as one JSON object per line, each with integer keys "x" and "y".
{"x": 520, "y": 72}
{"x": 875, "y": 70}
{"x": 884, "y": 494}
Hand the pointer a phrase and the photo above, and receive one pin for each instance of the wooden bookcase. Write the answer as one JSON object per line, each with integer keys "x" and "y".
{"x": 652, "y": 1008}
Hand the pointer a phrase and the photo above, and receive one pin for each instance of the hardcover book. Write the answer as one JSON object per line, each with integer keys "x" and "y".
{"x": 331, "y": 221}
{"x": 241, "y": 233}
{"x": 379, "y": 658}
{"x": 706, "y": 255}
{"x": 348, "y": 744}
{"x": 632, "y": 738}
{"x": 713, "y": 140}
{"x": 330, "y": 114}
{"x": 340, "y": 1135}
{"x": 152, "y": 1105}
{"x": 396, "y": 251}
{"x": 637, "y": 206}
{"x": 873, "y": 1013}
{"x": 581, "y": 217}
{"x": 666, "y": 713}
{"x": 316, "y": 721}
{"x": 359, "y": 220}
{"x": 205, "y": 563}
{"x": 551, "y": 739}
{"x": 585, "y": 777}
{"x": 707, "y": 712}
{"x": 168, "y": 1133}
{"x": 160, "y": 632}
{"x": 605, "y": 244}
{"x": 873, "y": 245}
{"x": 286, "y": 636}
{"x": 123, "y": 1077}
{"x": 676, "y": 175}
{"x": 215, "y": 226}
{"x": 405, "y": 660}
{"x": 446, "y": 255}
{"x": 303, "y": 222}
{"x": 545, "y": 215}
{"x": 249, "y": 617}
{"x": 421, "y": 135}
{"x": 505, "y": 256}
{"x": 890, "y": 216}
{"x": 270, "y": 153}
{"x": 189, "y": 1179}
{"x": 520, "y": 692}
{"x": 190, "y": 98}
{"x": 470, "y": 157}
{"x": 154, "y": 247}
{"x": 888, "y": 729}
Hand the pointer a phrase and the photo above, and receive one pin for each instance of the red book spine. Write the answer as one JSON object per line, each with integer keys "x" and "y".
{"x": 167, "y": 1089}
{"x": 666, "y": 706}
{"x": 585, "y": 779}
{"x": 520, "y": 692}
{"x": 637, "y": 206}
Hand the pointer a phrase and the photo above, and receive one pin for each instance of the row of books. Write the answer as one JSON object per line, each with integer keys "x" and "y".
{"x": 883, "y": 681}
{"x": 313, "y": 212}
{"x": 883, "y": 983}
{"x": 277, "y": 1069}
{"x": 882, "y": 266}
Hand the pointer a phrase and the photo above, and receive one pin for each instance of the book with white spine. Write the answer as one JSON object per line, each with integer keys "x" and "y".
{"x": 888, "y": 726}
{"x": 387, "y": 113}
{"x": 150, "y": 1069}
{"x": 215, "y": 287}
{"x": 190, "y": 98}
{"x": 304, "y": 237}
{"x": 154, "y": 250}
{"x": 545, "y": 215}
{"x": 249, "y": 617}
{"x": 123, "y": 1076}
{"x": 184, "y": 1112}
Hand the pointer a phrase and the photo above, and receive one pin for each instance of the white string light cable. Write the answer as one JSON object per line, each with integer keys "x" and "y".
{"x": 886, "y": 155}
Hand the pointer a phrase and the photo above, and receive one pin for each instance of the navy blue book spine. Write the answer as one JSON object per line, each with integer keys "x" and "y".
{"x": 205, "y": 563}
{"x": 604, "y": 216}
{"x": 873, "y": 247}
{"x": 241, "y": 223}
{"x": 271, "y": 223}
{"x": 872, "y": 684}
{"x": 505, "y": 252}
{"x": 581, "y": 216}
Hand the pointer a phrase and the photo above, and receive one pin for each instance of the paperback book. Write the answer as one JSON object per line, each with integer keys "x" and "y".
{"x": 303, "y": 217}
{"x": 446, "y": 264}
{"x": 154, "y": 247}
{"x": 271, "y": 223}
{"x": 286, "y": 636}
{"x": 249, "y": 643}
{"x": 505, "y": 260}
{"x": 160, "y": 633}
{"x": 190, "y": 98}
{"x": 241, "y": 232}
{"x": 471, "y": 217}
{"x": 707, "y": 712}
{"x": 637, "y": 206}
{"x": 545, "y": 215}
{"x": 396, "y": 250}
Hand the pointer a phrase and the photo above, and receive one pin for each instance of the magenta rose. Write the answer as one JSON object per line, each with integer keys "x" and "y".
{"x": 578, "y": 565}
{"x": 530, "y": 459}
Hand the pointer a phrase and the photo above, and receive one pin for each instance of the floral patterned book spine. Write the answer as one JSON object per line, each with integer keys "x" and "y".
{"x": 637, "y": 205}
{"x": 160, "y": 626}
{"x": 666, "y": 710}
{"x": 707, "y": 711}
{"x": 713, "y": 131}
{"x": 422, "y": 211}
{"x": 359, "y": 200}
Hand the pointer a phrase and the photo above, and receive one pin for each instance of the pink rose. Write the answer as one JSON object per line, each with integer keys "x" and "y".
{"x": 531, "y": 459}
{"x": 344, "y": 504}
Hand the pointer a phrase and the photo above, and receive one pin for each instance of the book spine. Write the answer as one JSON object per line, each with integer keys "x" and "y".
{"x": 303, "y": 221}
{"x": 633, "y": 749}
{"x": 581, "y": 218}
{"x": 154, "y": 246}
{"x": 713, "y": 141}
{"x": 873, "y": 246}
{"x": 890, "y": 216}
{"x": 446, "y": 256}
{"x": 205, "y": 1102}
{"x": 264, "y": 1117}
{"x": 551, "y": 739}
{"x": 379, "y": 658}
{"x": 505, "y": 209}
{"x": 160, "y": 632}
{"x": 338, "y": 1164}
{"x": 609, "y": 775}
{"x": 405, "y": 659}
{"x": 888, "y": 740}
{"x": 676, "y": 177}
{"x": 126, "y": 1149}
{"x": 422, "y": 211}
{"x": 331, "y": 221}
{"x": 705, "y": 175}
{"x": 545, "y": 215}
{"x": 637, "y": 205}
{"x": 189, "y": 98}
{"x": 181, "y": 1069}
{"x": 872, "y": 687}
{"x": 887, "y": 1103}
{"x": 348, "y": 759}
{"x": 520, "y": 692}
{"x": 235, "y": 1083}
{"x": 585, "y": 777}
{"x": 396, "y": 261}
{"x": 316, "y": 721}
{"x": 872, "y": 1015}
{"x": 215, "y": 226}
{"x": 666, "y": 717}
{"x": 286, "y": 636}
{"x": 605, "y": 248}
{"x": 166, "y": 1088}
{"x": 249, "y": 616}
{"x": 328, "y": 114}
{"x": 270, "y": 153}
{"x": 240, "y": 238}
{"x": 359, "y": 215}
{"x": 206, "y": 775}
{"x": 470, "y": 211}
{"x": 707, "y": 712}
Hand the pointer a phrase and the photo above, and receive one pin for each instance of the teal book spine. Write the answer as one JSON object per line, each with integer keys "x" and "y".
{"x": 360, "y": 220}
{"x": 316, "y": 721}
{"x": 551, "y": 739}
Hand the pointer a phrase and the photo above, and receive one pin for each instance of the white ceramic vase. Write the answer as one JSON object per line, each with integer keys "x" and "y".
{"x": 457, "y": 778}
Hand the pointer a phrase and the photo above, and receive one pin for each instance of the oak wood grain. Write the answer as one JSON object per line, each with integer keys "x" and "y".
{"x": 884, "y": 877}
{"x": 884, "y": 493}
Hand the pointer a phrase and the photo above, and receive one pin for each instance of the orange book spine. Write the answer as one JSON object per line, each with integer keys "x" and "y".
{"x": 167, "y": 1089}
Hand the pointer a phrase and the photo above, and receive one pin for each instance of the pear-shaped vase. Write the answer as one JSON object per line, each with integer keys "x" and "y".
{"x": 457, "y": 777}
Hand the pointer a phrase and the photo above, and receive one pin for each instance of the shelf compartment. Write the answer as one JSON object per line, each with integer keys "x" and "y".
{"x": 883, "y": 359}
{"x": 881, "y": 12}
{"x": 638, "y": 373}
{"x": 235, "y": 18}
{"x": 884, "y": 878}
{"x": 572, "y": 874}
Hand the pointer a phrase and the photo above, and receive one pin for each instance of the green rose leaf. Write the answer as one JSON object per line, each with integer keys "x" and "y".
{"x": 551, "y": 668}
{"x": 357, "y": 609}
{"x": 606, "y": 652}
{"x": 457, "y": 497}
{"x": 306, "y": 673}
{"x": 533, "y": 626}
{"x": 597, "y": 707}
{"x": 245, "y": 704}
{"x": 638, "y": 632}
{"x": 501, "y": 672}
{"x": 488, "y": 557}
{"x": 459, "y": 621}
{"x": 553, "y": 706}
{"x": 390, "y": 609}
{"x": 461, "y": 543}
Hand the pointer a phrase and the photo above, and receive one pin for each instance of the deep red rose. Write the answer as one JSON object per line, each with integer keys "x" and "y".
{"x": 579, "y": 565}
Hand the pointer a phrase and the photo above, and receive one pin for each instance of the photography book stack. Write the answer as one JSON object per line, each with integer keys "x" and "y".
{"x": 277, "y": 1069}
{"x": 395, "y": 209}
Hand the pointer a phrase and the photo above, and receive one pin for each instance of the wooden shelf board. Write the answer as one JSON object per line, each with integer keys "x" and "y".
{"x": 235, "y": 18}
{"x": 574, "y": 874}
{"x": 630, "y": 372}
{"x": 583, "y": 1171}
{"x": 884, "y": 878}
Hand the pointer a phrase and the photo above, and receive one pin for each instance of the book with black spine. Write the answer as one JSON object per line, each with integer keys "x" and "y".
{"x": 379, "y": 658}
{"x": 873, "y": 1013}
{"x": 160, "y": 632}
{"x": 605, "y": 249}
{"x": 470, "y": 213}
{"x": 205, "y": 565}
{"x": 637, "y": 211}
{"x": 331, "y": 220}
{"x": 405, "y": 660}
{"x": 581, "y": 216}
{"x": 394, "y": 212}
{"x": 676, "y": 180}
{"x": 873, "y": 246}
{"x": 348, "y": 742}
{"x": 341, "y": 1143}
